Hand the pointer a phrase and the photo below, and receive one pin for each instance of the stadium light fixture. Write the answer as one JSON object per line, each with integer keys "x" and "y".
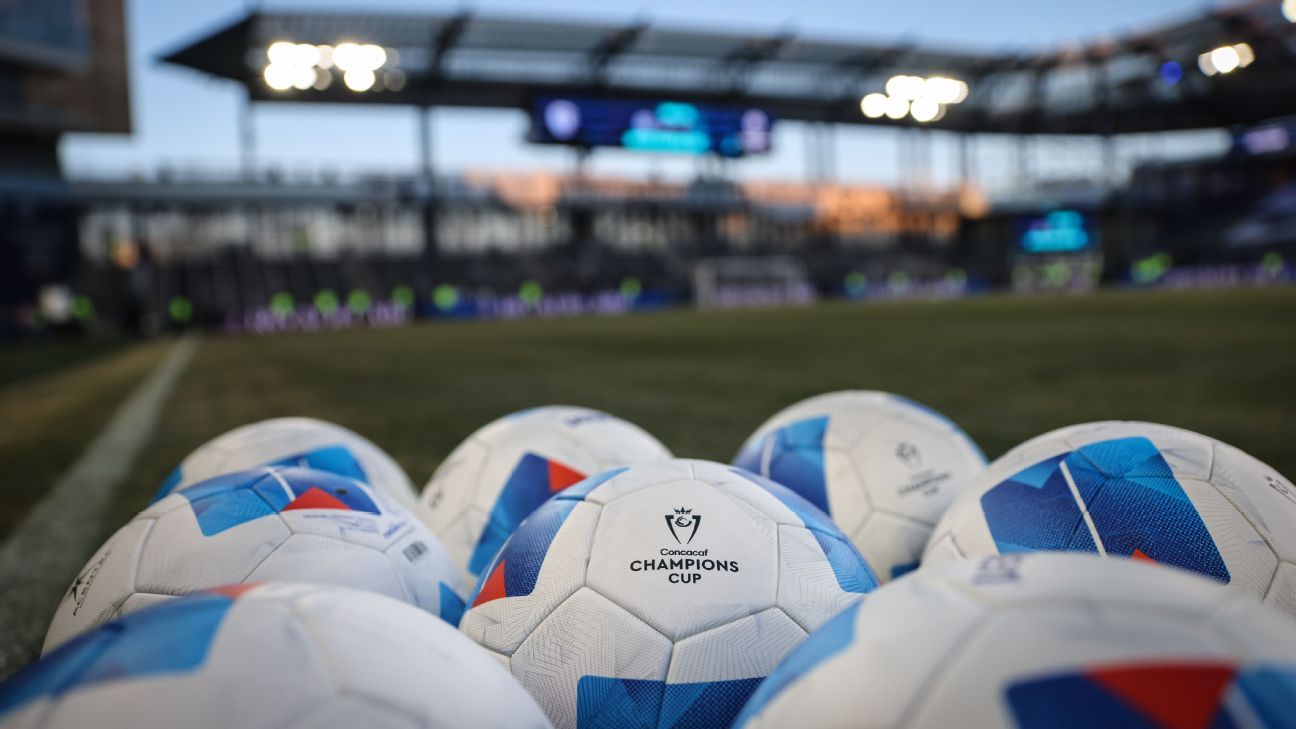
{"x": 281, "y": 53}
{"x": 372, "y": 57}
{"x": 279, "y": 76}
{"x": 896, "y": 108}
{"x": 306, "y": 54}
{"x": 925, "y": 109}
{"x": 944, "y": 90}
{"x": 905, "y": 87}
{"x": 352, "y": 57}
{"x": 359, "y": 79}
{"x": 1226, "y": 59}
{"x": 874, "y": 106}
{"x": 303, "y": 77}
{"x": 346, "y": 56}
{"x": 925, "y": 99}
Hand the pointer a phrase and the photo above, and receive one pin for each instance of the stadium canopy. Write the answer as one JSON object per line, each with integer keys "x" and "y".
{"x": 1228, "y": 66}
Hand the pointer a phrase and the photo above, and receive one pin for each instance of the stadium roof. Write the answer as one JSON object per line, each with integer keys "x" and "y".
{"x": 1150, "y": 81}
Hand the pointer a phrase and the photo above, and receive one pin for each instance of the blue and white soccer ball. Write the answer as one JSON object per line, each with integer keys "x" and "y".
{"x": 661, "y": 594}
{"x": 507, "y": 468}
{"x": 1138, "y": 490}
{"x": 883, "y": 466}
{"x": 265, "y": 657}
{"x": 302, "y": 442}
{"x": 291, "y": 524}
{"x": 1040, "y": 641}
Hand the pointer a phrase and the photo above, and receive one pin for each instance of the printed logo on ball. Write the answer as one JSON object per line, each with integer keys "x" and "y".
{"x": 925, "y": 482}
{"x": 683, "y": 518}
{"x": 683, "y": 566}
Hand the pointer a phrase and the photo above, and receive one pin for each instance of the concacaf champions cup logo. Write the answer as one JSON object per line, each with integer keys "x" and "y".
{"x": 686, "y": 522}
{"x": 683, "y": 566}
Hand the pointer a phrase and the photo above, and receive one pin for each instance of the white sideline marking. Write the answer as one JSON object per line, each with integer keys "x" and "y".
{"x": 1084, "y": 509}
{"x": 43, "y": 554}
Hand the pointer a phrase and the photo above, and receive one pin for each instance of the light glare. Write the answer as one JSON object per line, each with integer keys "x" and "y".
{"x": 1289, "y": 10}
{"x": 1204, "y": 63}
{"x": 945, "y": 90}
{"x": 1246, "y": 56}
{"x": 303, "y": 77}
{"x": 905, "y": 87}
{"x": 1226, "y": 59}
{"x": 924, "y": 109}
{"x": 874, "y": 105}
{"x": 306, "y": 54}
{"x": 346, "y": 56}
{"x": 896, "y": 108}
{"x": 372, "y": 57}
{"x": 359, "y": 79}
{"x": 279, "y": 76}
{"x": 281, "y": 53}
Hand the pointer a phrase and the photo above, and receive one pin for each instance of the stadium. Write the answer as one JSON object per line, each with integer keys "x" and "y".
{"x": 342, "y": 345}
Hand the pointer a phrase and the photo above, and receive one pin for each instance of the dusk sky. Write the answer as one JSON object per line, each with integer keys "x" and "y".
{"x": 184, "y": 119}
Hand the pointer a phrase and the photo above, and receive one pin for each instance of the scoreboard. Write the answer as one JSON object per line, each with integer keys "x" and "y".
{"x": 651, "y": 126}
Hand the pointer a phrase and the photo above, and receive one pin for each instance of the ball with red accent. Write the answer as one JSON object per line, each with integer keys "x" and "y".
{"x": 293, "y": 524}
{"x": 1134, "y": 490}
{"x": 269, "y": 656}
{"x": 661, "y": 593}
{"x": 1040, "y": 641}
{"x": 507, "y": 468}
{"x": 296, "y": 441}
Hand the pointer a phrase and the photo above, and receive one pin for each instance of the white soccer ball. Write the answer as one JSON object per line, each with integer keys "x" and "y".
{"x": 1041, "y": 641}
{"x": 1139, "y": 490}
{"x": 291, "y": 524}
{"x": 661, "y": 590}
{"x": 504, "y": 470}
{"x": 272, "y": 656}
{"x": 303, "y": 442}
{"x": 885, "y": 468}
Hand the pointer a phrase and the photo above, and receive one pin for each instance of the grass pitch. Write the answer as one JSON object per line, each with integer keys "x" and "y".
{"x": 1005, "y": 368}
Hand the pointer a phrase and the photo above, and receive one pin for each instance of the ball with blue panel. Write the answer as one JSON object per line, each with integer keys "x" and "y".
{"x": 507, "y": 468}
{"x": 1139, "y": 491}
{"x": 1040, "y": 641}
{"x": 301, "y": 442}
{"x": 669, "y": 590}
{"x": 270, "y": 655}
{"x": 885, "y": 468}
{"x": 281, "y": 523}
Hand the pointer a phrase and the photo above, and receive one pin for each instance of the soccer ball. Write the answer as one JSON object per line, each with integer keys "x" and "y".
{"x": 269, "y": 656}
{"x": 1140, "y": 490}
{"x": 304, "y": 442}
{"x": 291, "y": 524}
{"x": 488, "y": 484}
{"x": 883, "y": 466}
{"x": 1040, "y": 641}
{"x": 661, "y": 590}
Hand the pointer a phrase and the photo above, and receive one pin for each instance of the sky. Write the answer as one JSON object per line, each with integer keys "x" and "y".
{"x": 185, "y": 120}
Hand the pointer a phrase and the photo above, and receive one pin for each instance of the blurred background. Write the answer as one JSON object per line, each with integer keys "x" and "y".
{"x": 258, "y": 167}
{"x": 1023, "y": 214}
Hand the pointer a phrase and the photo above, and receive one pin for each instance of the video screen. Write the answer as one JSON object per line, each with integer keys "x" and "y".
{"x": 652, "y": 126}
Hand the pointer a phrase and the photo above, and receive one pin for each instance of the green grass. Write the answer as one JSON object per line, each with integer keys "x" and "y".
{"x": 47, "y": 418}
{"x": 27, "y": 359}
{"x": 1006, "y": 368}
